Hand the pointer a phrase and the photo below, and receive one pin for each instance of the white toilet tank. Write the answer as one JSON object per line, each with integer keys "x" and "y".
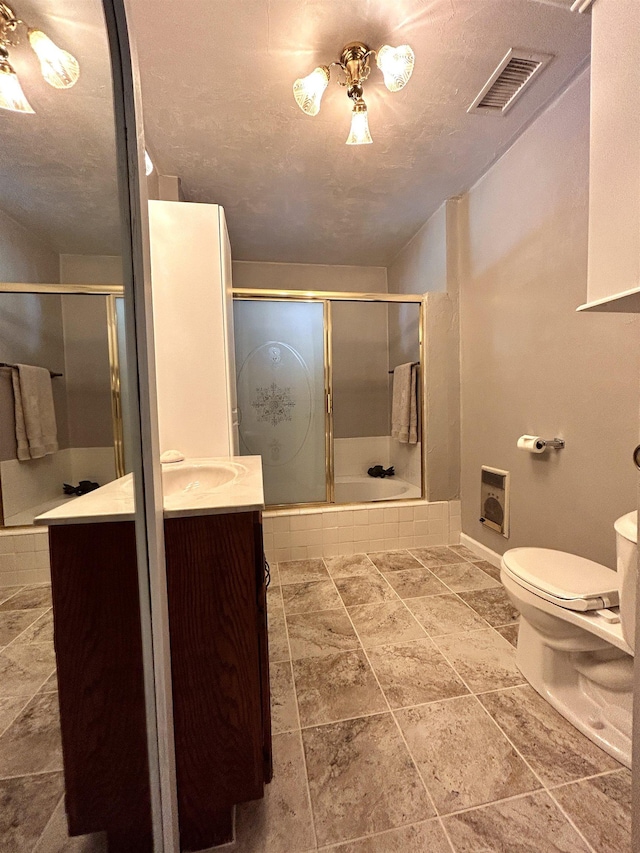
{"x": 626, "y": 528}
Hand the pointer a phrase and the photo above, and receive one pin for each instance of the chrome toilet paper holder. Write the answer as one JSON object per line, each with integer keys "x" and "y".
{"x": 553, "y": 443}
{"x": 536, "y": 444}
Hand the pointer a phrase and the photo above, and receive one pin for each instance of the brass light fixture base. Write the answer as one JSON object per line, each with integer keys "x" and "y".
{"x": 8, "y": 23}
{"x": 354, "y": 59}
{"x": 396, "y": 65}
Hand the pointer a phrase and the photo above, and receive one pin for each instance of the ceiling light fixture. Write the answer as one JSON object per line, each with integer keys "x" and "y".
{"x": 58, "y": 67}
{"x": 396, "y": 64}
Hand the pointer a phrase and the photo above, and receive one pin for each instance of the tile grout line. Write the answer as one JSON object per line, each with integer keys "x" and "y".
{"x": 588, "y": 778}
{"x": 544, "y": 788}
{"x": 300, "y": 739}
{"x": 17, "y": 714}
{"x": 29, "y": 775}
{"x": 48, "y": 823}
{"x": 380, "y": 832}
{"x": 400, "y": 732}
{"x": 512, "y": 745}
{"x": 15, "y": 640}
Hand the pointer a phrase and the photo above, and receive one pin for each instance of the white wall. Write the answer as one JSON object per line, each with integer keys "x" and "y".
{"x": 189, "y": 324}
{"x": 530, "y": 364}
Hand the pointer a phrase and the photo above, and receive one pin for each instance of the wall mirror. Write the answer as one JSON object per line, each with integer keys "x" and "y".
{"x": 61, "y": 305}
{"x": 71, "y": 262}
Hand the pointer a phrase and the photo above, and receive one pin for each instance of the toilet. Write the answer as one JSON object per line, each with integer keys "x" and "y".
{"x": 576, "y": 638}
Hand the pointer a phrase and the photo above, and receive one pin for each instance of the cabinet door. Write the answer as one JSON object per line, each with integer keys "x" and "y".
{"x": 215, "y": 665}
{"x": 100, "y": 680}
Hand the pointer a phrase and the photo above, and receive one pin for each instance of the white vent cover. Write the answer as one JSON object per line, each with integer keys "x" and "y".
{"x": 508, "y": 81}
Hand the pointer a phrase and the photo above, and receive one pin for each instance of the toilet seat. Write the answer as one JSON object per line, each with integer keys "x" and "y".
{"x": 566, "y": 580}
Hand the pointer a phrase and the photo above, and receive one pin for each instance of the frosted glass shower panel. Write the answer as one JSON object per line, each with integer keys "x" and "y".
{"x": 281, "y": 396}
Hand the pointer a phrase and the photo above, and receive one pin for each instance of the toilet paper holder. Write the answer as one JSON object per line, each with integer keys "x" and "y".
{"x": 535, "y": 444}
{"x": 553, "y": 443}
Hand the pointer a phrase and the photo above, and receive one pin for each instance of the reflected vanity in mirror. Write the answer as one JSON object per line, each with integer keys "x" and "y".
{"x": 75, "y": 334}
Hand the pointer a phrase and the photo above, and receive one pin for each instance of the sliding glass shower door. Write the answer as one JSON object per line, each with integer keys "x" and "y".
{"x": 280, "y": 363}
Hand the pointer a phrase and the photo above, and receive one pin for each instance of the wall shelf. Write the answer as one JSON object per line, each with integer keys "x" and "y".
{"x": 626, "y": 302}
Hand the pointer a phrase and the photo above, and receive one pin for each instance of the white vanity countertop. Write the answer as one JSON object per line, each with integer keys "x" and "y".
{"x": 190, "y": 488}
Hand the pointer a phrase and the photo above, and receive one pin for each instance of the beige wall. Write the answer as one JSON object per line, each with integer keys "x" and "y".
{"x": 360, "y": 352}
{"x": 421, "y": 266}
{"x": 30, "y": 325}
{"x": 91, "y": 269}
{"x": 23, "y": 257}
{"x": 429, "y": 263}
{"x": 87, "y": 371}
{"x": 88, "y": 377}
{"x": 360, "y": 369}
{"x": 309, "y": 277}
{"x": 529, "y": 363}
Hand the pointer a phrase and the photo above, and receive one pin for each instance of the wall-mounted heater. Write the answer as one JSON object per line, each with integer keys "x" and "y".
{"x": 494, "y": 500}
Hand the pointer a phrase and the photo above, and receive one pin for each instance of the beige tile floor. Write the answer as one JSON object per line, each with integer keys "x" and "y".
{"x": 401, "y": 723}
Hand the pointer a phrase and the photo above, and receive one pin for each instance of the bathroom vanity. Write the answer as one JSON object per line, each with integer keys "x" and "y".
{"x": 219, "y": 661}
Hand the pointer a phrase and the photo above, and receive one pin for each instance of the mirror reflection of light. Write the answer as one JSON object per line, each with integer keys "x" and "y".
{"x": 148, "y": 164}
{"x": 11, "y": 95}
{"x": 59, "y": 68}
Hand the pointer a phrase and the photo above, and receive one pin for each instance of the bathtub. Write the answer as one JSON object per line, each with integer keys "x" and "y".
{"x": 350, "y": 490}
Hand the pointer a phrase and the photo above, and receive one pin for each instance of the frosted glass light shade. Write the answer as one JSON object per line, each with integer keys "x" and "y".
{"x": 308, "y": 91}
{"x": 359, "y": 133}
{"x": 59, "y": 68}
{"x": 11, "y": 95}
{"x": 396, "y": 64}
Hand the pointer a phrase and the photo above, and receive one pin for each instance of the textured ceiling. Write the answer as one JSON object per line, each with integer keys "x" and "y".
{"x": 57, "y": 167}
{"x": 219, "y": 112}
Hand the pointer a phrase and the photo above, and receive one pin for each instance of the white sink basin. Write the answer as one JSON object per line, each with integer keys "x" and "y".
{"x": 195, "y": 478}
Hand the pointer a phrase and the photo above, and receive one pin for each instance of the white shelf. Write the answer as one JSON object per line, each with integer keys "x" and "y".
{"x": 626, "y": 302}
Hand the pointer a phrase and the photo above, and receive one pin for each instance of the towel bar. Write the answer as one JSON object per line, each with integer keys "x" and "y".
{"x": 15, "y": 367}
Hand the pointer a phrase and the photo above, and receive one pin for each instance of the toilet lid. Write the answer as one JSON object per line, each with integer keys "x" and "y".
{"x": 565, "y": 577}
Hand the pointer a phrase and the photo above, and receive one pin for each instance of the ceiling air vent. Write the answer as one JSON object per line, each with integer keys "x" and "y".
{"x": 508, "y": 81}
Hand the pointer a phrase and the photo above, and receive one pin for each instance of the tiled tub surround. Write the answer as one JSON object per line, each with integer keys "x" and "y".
{"x": 24, "y": 556}
{"x": 401, "y": 724}
{"x": 354, "y": 457}
{"x": 299, "y": 534}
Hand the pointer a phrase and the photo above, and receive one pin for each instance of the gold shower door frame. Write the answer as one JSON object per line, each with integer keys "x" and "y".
{"x": 110, "y": 292}
{"x": 326, "y": 297}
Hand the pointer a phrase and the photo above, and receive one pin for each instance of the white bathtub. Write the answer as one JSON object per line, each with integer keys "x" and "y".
{"x": 350, "y": 490}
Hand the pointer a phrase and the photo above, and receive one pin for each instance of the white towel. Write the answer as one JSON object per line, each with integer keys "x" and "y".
{"x": 404, "y": 409}
{"x": 36, "y": 431}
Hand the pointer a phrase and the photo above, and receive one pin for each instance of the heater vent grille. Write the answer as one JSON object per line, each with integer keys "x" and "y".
{"x": 508, "y": 81}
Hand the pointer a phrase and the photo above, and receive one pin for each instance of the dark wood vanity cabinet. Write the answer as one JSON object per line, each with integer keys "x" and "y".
{"x": 219, "y": 661}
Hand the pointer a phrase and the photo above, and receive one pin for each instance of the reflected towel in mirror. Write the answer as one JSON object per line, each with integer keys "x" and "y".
{"x": 36, "y": 430}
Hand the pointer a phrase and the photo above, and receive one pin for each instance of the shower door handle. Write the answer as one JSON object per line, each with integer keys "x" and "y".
{"x": 636, "y": 457}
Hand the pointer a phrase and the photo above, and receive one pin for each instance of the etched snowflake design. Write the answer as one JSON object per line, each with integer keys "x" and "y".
{"x": 273, "y": 404}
